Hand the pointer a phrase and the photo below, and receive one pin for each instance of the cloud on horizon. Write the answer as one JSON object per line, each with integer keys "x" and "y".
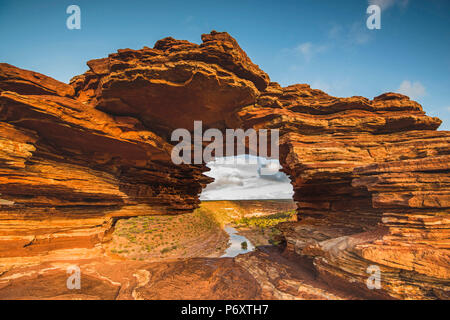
{"x": 242, "y": 181}
{"x": 414, "y": 90}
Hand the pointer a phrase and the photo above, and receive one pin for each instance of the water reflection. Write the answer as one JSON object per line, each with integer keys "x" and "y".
{"x": 235, "y": 243}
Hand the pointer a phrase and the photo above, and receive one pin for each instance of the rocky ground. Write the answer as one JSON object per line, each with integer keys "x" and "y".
{"x": 194, "y": 234}
{"x": 262, "y": 274}
{"x": 136, "y": 264}
{"x": 194, "y": 278}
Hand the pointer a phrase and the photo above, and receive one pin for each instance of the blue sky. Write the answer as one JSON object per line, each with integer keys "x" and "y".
{"x": 323, "y": 43}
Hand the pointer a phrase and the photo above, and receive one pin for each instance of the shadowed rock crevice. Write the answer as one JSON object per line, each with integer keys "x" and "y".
{"x": 371, "y": 177}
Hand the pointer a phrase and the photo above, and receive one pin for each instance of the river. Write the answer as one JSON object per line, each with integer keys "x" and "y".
{"x": 235, "y": 243}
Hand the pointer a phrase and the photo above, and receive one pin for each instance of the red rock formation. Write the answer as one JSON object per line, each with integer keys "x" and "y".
{"x": 371, "y": 177}
{"x": 71, "y": 169}
{"x": 203, "y": 82}
{"x": 371, "y": 181}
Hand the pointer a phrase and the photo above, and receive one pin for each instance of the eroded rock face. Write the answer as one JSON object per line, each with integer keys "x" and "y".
{"x": 371, "y": 177}
{"x": 371, "y": 181}
{"x": 71, "y": 170}
{"x": 258, "y": 275}
{"x": 175, "y": 82}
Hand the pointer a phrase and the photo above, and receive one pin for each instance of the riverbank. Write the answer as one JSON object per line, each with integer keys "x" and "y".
{"x": 202, "y": 233}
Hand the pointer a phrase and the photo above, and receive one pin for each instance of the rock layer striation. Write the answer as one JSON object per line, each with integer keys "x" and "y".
{"x": 371, "y": 177}
{"x": 371, "y": 182}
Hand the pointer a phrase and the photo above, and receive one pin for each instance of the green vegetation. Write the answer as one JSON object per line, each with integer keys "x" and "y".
{"x": 264, "y": 227}
{"x": 147, "y": 237}
{"x": 199, "y": 232}
{"x": 264, "y": 222}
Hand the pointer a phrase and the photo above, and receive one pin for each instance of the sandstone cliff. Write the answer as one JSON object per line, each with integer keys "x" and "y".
{"x": 371, "y": 182}
{"x": 371, "y": 177}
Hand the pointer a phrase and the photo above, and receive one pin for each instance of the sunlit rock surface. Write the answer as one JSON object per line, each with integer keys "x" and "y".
{"x": 371, "y": 182}
{"x": 371, "y": 177}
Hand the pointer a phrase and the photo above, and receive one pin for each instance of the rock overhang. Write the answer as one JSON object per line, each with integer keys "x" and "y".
{"x": 101, "y": 143}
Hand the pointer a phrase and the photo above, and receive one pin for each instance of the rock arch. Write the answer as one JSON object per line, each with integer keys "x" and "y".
{"x": 371, "y": 177}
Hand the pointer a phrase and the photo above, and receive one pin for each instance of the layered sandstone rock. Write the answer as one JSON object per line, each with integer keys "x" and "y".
{"x": 77, "y": 157}
{"x": 258, "y": 275}
{"x": 70, "y": 170}
{"x": 371, "y": 177}
{"x": 371, "y": 183}
{"x": 174, "y": 83}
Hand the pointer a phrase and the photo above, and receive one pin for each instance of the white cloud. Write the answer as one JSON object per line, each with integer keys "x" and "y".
{"x": 308, "y": 50}
{"x": 413, "y": 90}
{"x": 348, "y": 35}
{"x": 386, "y": 4}
{"x": 242, "y": 181}
{"x": 358, "y": 33}
{"x": 339, "y": 88}
{"x": 305, "y": 49}
{"x": 338, "y": 35}
{"x": 321, "y": 85}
